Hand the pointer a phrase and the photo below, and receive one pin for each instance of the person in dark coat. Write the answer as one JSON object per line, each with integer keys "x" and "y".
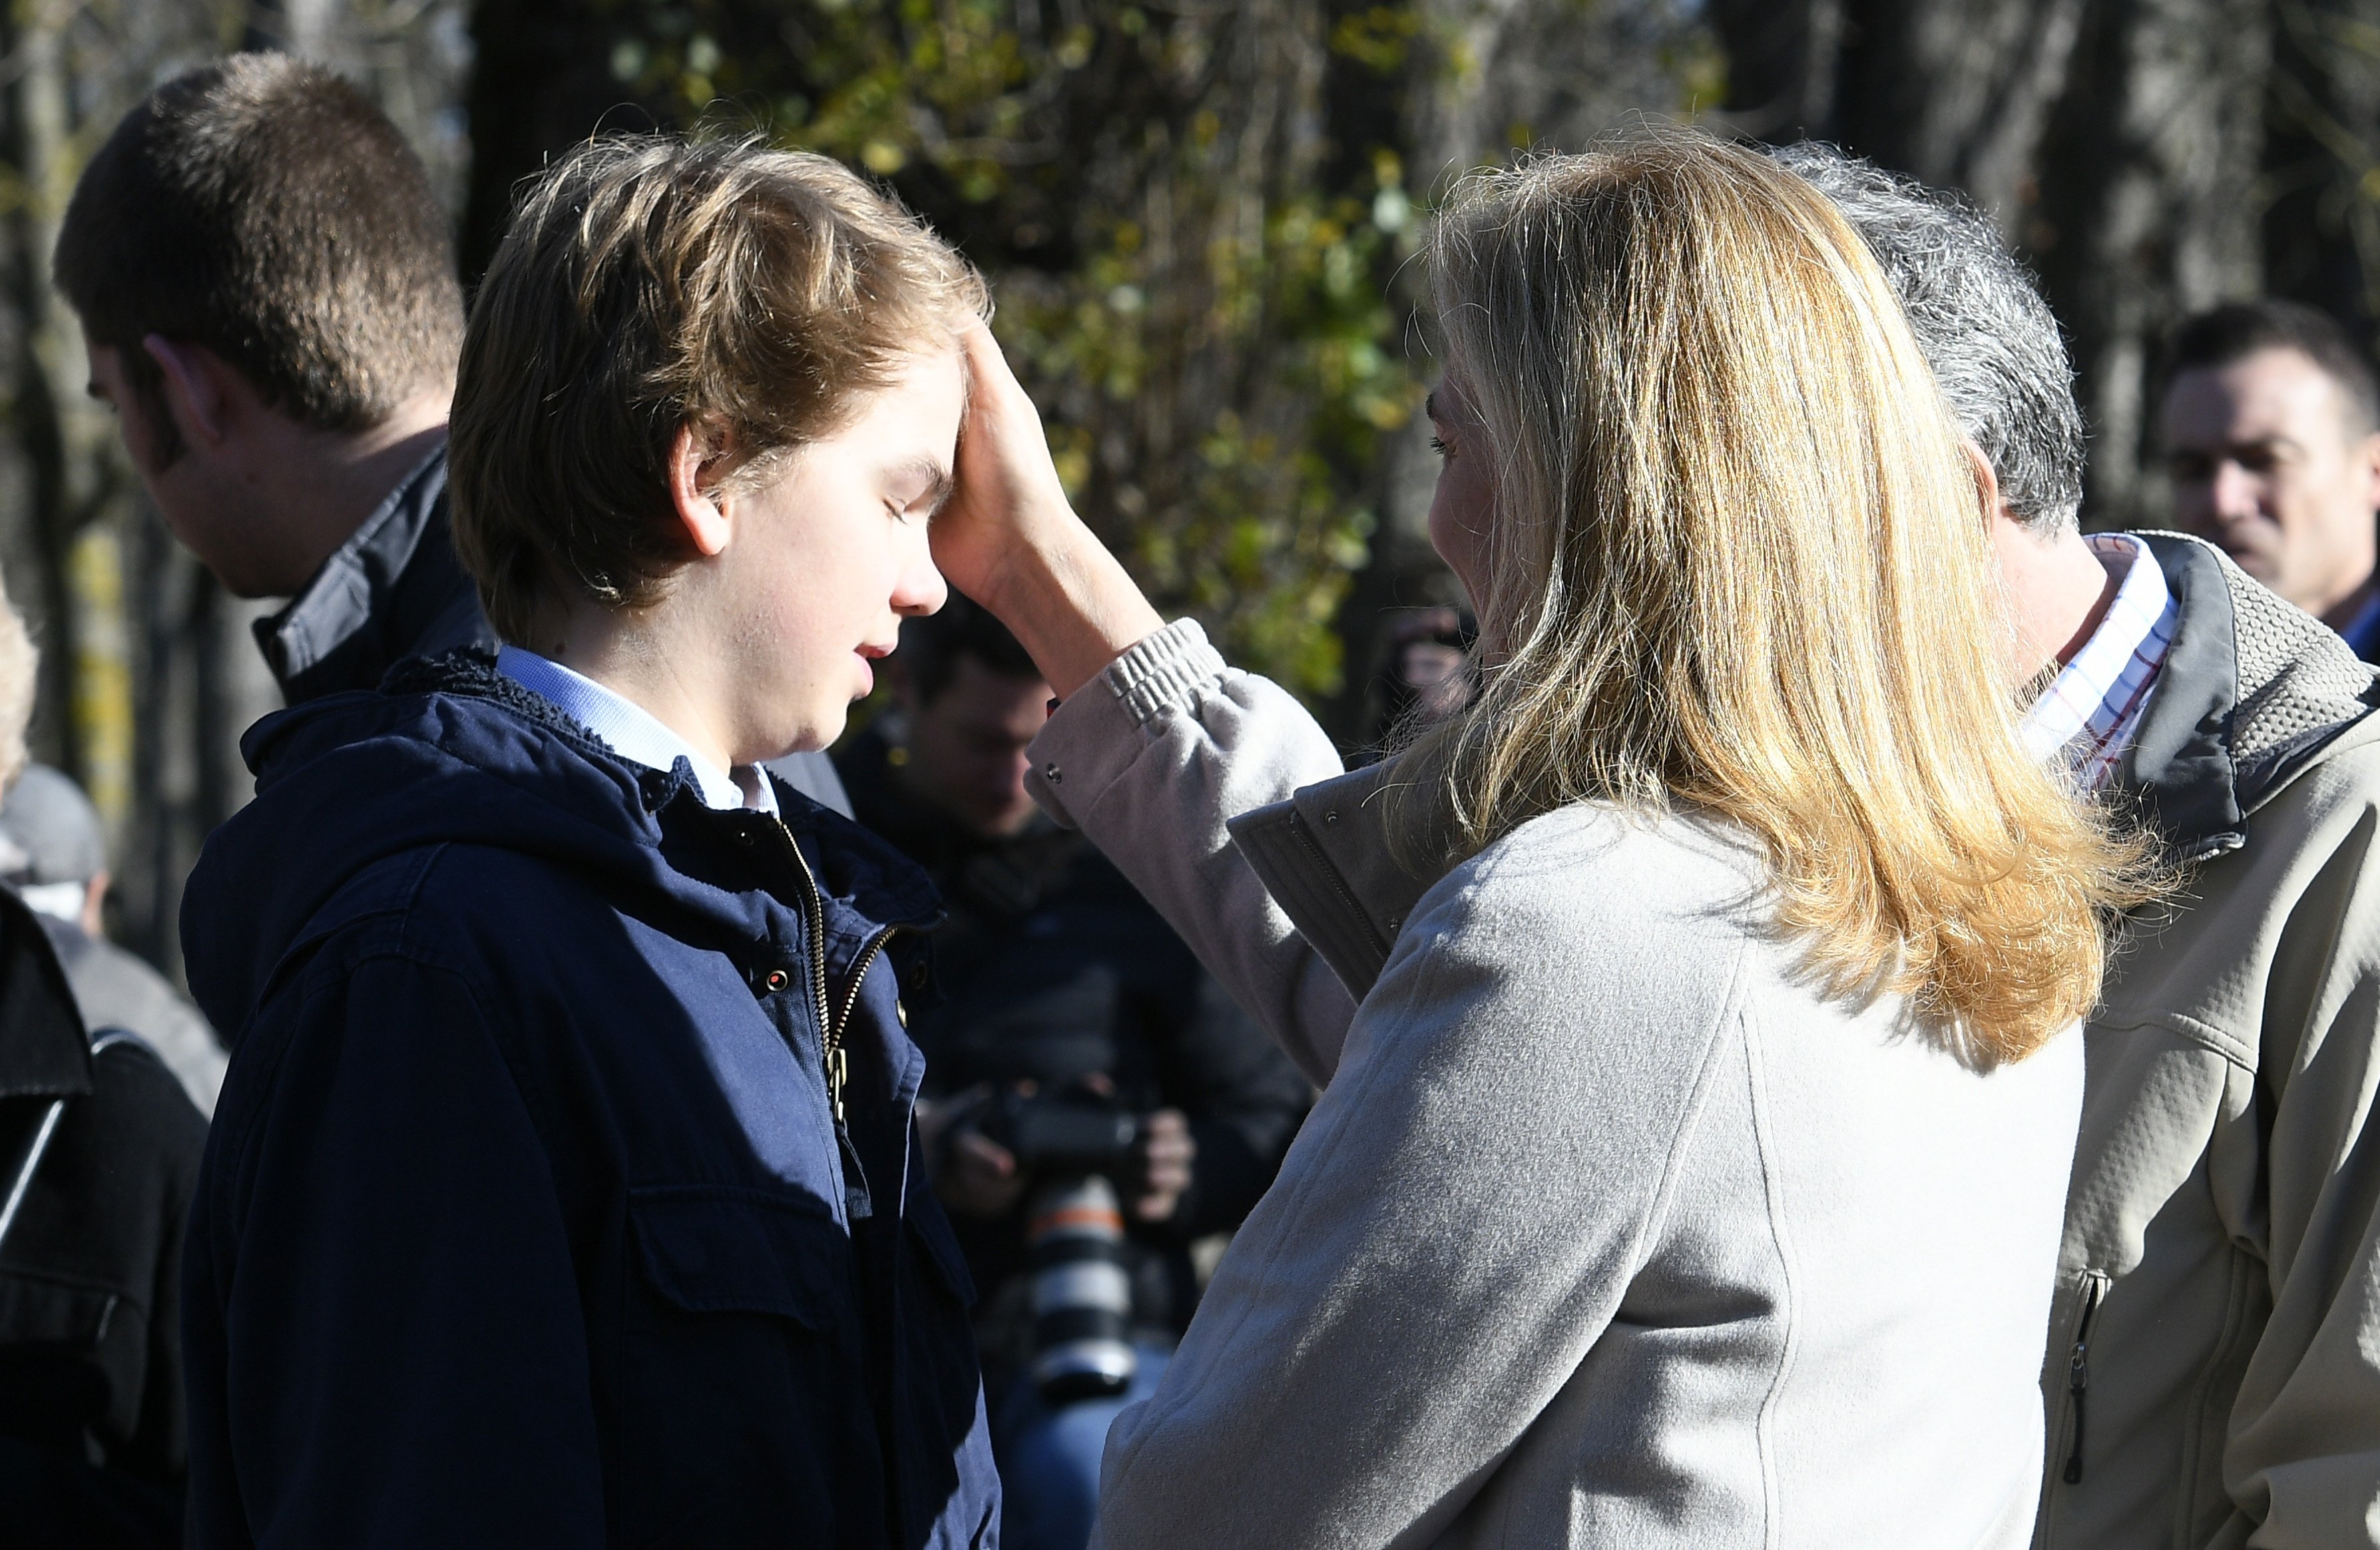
{"x": 563, "y": 1189}
{"x": 1056, "y": 982}
{"x": 99, "y": 1154}
{"x": 100, "y": 1147}
{"x": 53, "y": 855}
{"x": 289, "y": 418}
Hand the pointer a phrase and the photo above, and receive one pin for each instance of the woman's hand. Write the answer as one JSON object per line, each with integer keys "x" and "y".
{"x": 1009, "y": 538}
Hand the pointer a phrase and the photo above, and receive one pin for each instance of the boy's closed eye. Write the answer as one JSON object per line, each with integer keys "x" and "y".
{"x": 917, "y": 487}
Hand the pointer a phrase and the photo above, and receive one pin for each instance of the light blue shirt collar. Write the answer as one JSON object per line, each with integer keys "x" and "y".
{"x": 633, "y": 732}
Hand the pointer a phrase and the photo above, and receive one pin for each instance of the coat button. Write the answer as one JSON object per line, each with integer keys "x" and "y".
{"x": 779, "y": 979}
{"x": 1394, "y": 921}
{"x": 1332, "y": 816}
{"x": 1050, "y": 772}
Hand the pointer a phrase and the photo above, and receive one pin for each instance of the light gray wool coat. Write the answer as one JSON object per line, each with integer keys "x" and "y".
{"x": 1607, "y": 1230}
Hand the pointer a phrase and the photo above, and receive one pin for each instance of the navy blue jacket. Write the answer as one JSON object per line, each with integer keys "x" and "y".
{"x": 525, "y": 1219}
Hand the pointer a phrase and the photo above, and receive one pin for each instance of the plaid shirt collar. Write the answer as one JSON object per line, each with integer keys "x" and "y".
{"x": 2086, "y": 717}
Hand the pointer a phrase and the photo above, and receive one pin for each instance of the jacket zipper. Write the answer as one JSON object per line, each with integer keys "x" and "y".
{"x": 857, "y": 1203}
{"x": 859, "y": 968}
{"x": 838, "y": 1065}
{"x": 2078, "y": 1369}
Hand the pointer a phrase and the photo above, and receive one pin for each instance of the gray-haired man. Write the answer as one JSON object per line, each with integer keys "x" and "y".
{"x": 2212, "y": 1377}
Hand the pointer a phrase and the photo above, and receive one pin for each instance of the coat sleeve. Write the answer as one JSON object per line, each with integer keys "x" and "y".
{"x": 387, "y": 1341}
{"x": 1152, "y": 760}
{"x": 1453, "y": 1232}
{"x": 2302, "y": 1461}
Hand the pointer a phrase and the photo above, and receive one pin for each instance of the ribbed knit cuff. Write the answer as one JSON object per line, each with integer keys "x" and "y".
{"x": 1164, "y": 667}
{"x": 1094, "y": 737}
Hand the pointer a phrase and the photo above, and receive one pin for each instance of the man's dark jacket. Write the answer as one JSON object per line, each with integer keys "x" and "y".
{"x": 99, "y": 1152}
{"x": 525, "y": 1218}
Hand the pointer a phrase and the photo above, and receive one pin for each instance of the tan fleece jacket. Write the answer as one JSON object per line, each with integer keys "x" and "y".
{"x": 2214, "y": 1373}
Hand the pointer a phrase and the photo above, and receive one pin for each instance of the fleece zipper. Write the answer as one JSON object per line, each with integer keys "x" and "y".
{"x": 2078, "y": 1370}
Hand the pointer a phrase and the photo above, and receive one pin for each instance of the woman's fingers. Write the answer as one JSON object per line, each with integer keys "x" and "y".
{"x": 1009, "y": 538}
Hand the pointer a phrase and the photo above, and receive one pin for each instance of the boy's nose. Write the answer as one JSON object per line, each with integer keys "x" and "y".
{"x": 921, "y": 588}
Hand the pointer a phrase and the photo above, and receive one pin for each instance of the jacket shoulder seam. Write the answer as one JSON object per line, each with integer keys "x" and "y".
{"x": 2197, "y": 1030}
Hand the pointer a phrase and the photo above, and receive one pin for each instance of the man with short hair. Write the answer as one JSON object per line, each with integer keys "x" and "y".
{"x": 564, "y": 1190}
{"x": 267, "y": 289}
{"x": 2210, "y": 1379}
{"x": 2271, "y": 424}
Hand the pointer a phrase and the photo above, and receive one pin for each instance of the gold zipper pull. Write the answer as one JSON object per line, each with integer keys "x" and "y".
{"x": 838, "y": 1071}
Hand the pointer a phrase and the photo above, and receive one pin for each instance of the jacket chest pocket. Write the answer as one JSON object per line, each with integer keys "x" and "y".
{"x": 727, "y": 1251}
{"x": 741, "y": 1386}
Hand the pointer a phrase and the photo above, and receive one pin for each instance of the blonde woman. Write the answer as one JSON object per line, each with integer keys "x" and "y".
{"x": 1692, "y": 1008}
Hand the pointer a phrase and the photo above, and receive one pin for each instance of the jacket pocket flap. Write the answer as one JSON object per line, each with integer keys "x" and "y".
{"x": 726, "y": 1250}
{"x": 34, "y": 1310}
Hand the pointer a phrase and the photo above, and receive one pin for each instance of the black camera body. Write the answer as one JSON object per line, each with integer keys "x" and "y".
{"x": 1061, "y": 1133}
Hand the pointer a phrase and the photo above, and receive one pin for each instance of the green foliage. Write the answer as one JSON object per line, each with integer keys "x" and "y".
{"x": 1192, "y": 274}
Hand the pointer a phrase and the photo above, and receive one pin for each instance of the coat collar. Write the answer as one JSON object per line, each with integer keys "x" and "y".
{"x": 1326, "y": 858}
{"x": 2194, "y": 782}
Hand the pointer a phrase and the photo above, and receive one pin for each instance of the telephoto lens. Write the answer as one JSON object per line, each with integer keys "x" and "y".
{"x": 1082, "y": 1296}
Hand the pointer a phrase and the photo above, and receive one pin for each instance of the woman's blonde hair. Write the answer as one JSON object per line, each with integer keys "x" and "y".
{"x": 1739, "y": 561}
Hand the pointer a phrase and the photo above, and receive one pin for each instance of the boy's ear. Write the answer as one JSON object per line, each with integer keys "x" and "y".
{"x": 697, "y": 459}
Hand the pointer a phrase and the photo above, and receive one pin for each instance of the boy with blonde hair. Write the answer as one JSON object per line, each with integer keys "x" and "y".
{"x": 563, "y": 1190}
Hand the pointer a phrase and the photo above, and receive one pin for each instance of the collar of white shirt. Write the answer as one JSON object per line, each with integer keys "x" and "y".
{"x": 633, "y": 732}
{"x": 2094, "y": 705}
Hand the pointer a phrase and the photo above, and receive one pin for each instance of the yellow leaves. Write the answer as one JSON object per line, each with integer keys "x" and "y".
{"x": 1380, "y": 38}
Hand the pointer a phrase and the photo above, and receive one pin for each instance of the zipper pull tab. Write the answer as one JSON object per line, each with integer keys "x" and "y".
{"x": 838, "y": 1071}
{"x": 2078, "y": 1378}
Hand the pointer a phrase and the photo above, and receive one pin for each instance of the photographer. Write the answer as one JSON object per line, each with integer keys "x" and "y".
{"x": 1096, "y": 1100}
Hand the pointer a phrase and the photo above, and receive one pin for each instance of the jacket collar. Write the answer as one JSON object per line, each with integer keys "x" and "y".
{"x": 1325, "y": 857}
{"x": 856, "y": 872}
{"x": 355, "y": 586}
{"x": 2180, "y": 768}
{"x": 2195, "y": 782}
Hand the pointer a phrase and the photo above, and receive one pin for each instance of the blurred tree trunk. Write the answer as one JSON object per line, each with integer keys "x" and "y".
{"x": 2119, "y": 144}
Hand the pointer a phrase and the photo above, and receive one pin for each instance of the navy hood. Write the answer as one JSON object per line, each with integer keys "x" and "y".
{"x": 450, "y": 752}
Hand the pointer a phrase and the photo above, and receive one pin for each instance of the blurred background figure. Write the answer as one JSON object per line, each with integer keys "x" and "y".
{"x": 51, "y": 853}
{"x": 2271, "y": 437}
{"x": 99, "y": 1153}
{"x": 1423, "y": 671}
{"x": 1096, "y": 1107}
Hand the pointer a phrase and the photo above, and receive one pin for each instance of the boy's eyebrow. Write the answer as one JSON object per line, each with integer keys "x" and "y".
{"x": 937, "y": 481}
